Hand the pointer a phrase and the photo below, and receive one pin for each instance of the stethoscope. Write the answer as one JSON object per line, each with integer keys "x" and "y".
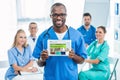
{"x": 47, "y": 34}
{"x": 18, "y": 53}
{"x": 101, "y": 45}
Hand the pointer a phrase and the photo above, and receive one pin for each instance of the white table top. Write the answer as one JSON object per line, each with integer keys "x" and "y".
{"x": 29, "y": 76}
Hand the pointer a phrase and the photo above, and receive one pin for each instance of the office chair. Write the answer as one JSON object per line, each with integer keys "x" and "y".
{"x": 113, "y": 64}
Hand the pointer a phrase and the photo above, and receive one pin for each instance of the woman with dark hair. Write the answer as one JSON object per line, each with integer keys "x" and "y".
{"x": 98, "y": 52}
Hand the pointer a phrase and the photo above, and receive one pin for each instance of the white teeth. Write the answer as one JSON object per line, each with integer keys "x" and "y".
{"x": 58, "y": 22}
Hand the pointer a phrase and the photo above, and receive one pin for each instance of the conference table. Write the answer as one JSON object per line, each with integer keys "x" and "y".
{"x": 39, "y": 75}
{"x": 29, "y": 76}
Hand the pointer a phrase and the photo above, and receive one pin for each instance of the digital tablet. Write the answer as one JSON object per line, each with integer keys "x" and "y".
{"x": 59, "y": 47}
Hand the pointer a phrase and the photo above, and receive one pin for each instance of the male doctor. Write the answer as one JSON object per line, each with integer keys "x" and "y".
{"x": 60, "y": 67}
{"x": 33, "y": 37}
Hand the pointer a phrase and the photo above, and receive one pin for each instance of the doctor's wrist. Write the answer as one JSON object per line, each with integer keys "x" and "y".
{"x": 41, "y": 62}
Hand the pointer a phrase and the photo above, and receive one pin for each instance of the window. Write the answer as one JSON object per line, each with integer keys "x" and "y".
{"x": 33, "y": 10}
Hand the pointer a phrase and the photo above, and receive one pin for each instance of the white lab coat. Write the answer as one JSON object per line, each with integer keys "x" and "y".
{"x": 31, "y": 42}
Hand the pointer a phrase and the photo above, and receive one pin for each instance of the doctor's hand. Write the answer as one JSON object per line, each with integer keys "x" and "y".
{"x": 75, "y": 57}
{"x": 44, "y": 55}
{"x": 71, "y": 54}
{"x": 34, "y": 69}
{"x": 42, "y": 61}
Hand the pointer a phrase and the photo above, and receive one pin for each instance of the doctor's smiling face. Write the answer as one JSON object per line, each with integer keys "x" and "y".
{"x": 87, "y": 20}
{"x": 100, "y": 33}
{"x": 58, "y": 15}
{"x": 20, "y": 38}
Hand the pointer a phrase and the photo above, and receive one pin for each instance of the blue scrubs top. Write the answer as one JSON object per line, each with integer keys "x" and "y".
{"x": 60, "y": 67}
{"x": 15, "y": 57}
{"x": 89, "y": 35}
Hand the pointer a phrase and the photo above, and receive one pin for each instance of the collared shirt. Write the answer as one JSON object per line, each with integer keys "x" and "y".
{"x": 89, "y": 35}
{"x": 31, "y": 42}
{"x": 61, "y": 67}
{"x": 16, "y": 57}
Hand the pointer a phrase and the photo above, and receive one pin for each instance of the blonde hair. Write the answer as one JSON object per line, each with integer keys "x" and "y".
{"x": 15, "y": 38}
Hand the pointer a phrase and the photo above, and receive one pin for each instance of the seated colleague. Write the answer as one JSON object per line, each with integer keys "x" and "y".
{"x": 87, "y": 30}
{"x": 19, "y": 56}
{"x": 98, "y": 52}
{"x": 60, "y": 67}
{"x": 33, "y": 37}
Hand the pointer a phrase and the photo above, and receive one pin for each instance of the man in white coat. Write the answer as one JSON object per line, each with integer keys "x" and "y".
{"x": 33, "y": 37}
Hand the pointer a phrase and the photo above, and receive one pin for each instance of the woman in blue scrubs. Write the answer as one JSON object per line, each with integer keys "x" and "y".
{"x": 98, "y": 52}
{"x": 19, "y": 56}
{"x": 60, "y": 67}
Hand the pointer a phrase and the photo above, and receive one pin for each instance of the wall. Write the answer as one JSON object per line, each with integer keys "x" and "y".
{"x": 7, "y": 25}
{"x": 75, "y": 10}
{"x": 99, "y": 11}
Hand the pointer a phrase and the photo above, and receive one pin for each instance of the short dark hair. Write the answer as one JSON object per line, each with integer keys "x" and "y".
{"x": 57, "y": 4}
{"x": 103, "y": 28}
{"x": 87, "y": 14}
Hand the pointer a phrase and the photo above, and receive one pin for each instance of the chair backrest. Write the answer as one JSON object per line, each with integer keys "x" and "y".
{"x": 4, "y": 64}
{"x": 113, "y": 64}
